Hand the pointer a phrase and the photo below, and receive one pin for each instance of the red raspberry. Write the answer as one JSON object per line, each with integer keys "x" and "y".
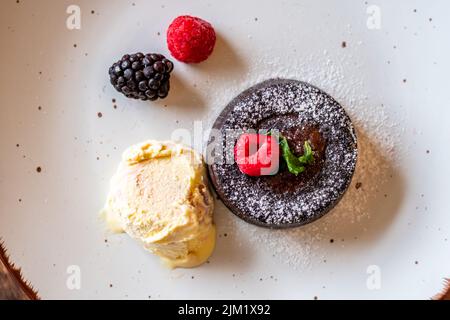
{"x": 257, "y": 154}
{"x": 190, "y": 39}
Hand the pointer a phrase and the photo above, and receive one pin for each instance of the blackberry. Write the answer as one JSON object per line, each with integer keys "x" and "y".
{"x": 139, "y": 76}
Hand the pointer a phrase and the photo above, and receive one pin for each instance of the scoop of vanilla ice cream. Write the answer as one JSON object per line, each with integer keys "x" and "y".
{"x": 159, "y": 196}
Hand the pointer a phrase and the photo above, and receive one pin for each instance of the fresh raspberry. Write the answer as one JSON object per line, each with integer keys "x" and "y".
{"x": 190, "y": 39}
{"x": 257, "y": 154}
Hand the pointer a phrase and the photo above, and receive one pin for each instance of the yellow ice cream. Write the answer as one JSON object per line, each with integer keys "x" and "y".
{"x": 159, "y": 196}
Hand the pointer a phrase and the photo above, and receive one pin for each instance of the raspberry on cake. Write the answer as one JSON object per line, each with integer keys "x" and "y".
{"x": 190, "y": 39}
{"x": 257, "y": 154}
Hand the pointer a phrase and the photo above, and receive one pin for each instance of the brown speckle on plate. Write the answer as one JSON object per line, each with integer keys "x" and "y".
{"x": 99, "y": 114}
{"x": 38, "y": 169}
{"x": 344, "y": 44}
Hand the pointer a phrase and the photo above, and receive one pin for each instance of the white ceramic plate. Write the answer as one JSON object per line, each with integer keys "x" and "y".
{"x": 388, "y": 238}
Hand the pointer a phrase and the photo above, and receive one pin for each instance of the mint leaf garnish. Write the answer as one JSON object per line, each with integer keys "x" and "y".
{"x": 293, "y": 163}
{"x": 307, "y": 157}
{"x": 296, "y": 165}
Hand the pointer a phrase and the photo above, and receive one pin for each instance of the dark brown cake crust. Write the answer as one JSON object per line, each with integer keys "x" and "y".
{"x": 300, "y": 112}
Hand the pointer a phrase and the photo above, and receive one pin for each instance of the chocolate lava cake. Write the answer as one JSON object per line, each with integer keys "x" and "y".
{"x": 300, "y": 112}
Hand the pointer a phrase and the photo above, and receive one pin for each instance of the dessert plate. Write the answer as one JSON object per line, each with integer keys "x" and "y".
{"x": 63, "y": 128}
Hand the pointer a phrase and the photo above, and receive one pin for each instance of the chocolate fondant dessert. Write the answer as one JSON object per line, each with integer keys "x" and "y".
{"x": 305, "y": 117}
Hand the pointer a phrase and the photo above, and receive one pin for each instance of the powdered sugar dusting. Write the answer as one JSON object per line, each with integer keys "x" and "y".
{"x": 302, "y": 247}
{"x": 253, "y": 199}
{"x": 377, "y": 136}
